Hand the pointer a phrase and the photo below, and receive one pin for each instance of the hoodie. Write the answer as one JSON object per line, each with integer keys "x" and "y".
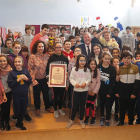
{"x": 12, "y": 56}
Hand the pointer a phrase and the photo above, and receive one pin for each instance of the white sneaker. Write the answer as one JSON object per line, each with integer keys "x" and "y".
{"x": 56, "y": 114}
{"x": 69, "y": 124}
{"x": 82, "y": 124}
{"x": 62, "y": 112}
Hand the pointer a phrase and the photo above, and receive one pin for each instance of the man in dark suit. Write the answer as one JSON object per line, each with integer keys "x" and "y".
{"x": 87, "y": 48}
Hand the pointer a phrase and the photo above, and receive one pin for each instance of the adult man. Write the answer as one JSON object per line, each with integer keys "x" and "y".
{"x": 87, "y": 48}
{"x": 128, "y": 39}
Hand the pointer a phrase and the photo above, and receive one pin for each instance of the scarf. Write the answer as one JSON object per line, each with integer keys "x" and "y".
{"x": 5, "y": 71}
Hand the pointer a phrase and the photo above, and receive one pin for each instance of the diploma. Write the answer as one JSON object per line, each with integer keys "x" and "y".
{"x": 57, "y": 75}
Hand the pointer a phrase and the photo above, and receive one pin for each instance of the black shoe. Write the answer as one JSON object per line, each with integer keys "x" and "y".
{"x": 120, "y": 124}
{"x": 7, "y": 126}
{"x": 106, "y": 124}
{"x": 130, "y": 123}
{"x": 27, "y": 117}
{"x": 86, "y": 120}
{"x": 116, "y": 118}
{"x": 92, "y": 122}
{"x": 2, "y": 126}
{"x": 14, "y": 118}
{"x": 20, "y": 125}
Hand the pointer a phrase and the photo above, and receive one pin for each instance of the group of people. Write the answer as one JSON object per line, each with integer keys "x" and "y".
{"x": 102, "y": 68}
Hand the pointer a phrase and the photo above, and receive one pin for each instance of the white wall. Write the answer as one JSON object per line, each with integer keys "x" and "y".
{"x": 17, "y": 13}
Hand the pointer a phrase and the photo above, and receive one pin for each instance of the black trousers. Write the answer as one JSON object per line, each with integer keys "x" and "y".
{"x": 105, "y": 102}
{"x": 20, "y": 102}
{"x": 5, "y": 108}
{"x": 129, "y": 105}
{"x": 78, "y": 97}
{"x": 58, "y": 93}
{"x": 42, "y": 86}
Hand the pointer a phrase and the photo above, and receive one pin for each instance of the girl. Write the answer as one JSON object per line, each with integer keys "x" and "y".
{"x": 92, "y": 90}
{"x": 19, "y": 81}
{"x": 5, "y": 69}
{"x": 57, "y": 58}
{"x": 37, "y": 66}
{"x": 57, "y": 39}
{"x": 16, "y": 47}
{"x": 25, "y": 52}
{"x": 115, "y": 52}
{"x": 8, "y": 44}
{"x": 80, "y": 78}
{"x": 108, "y": 77}
{"x": 97, "y": 51}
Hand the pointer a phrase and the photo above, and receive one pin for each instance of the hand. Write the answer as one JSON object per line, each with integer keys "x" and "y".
{"x": 20, "y": 78}
{"x": 25, "y": 77}
{"x": 4, "y": 98}
{"x": 105, "y": 29}
{"x": 89, "y": 92}
{"x": 113, "y": 40}
{"x": 83, "y": 85}
{"x": 35, "y": 83}
{"x": 117, "y": 95}
{"x": 108, "y": 96}
{"x": 133, "y": 96}
{"x": 77, "y": 85}
{"x": 92, "y": 94}
{"x": 117, "y": 78}
{"x": 67, "y": 87}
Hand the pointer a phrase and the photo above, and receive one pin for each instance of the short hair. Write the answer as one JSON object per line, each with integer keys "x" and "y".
{"x": 87, "y": 33}
{"x": 16, "y": 42}
{"x": 106, "y": 47}
{"x": 107, "y": 32}
{"x": 94, "y": 31}
{"x": 71, "y": 37}
{"x": 34, "y": 48}
{"x": 126, "y": 54}
{"x": 66, "y": 41}
{"x": 53, "y": 28}
{"x": 63, "y": 28}
{"x": 77, "y": 48}
{"x": 51, "y": 47}
{"x": 61, "y": 36}
{"x": 81, "y": 28}
{"x": 138, "y": 34}
{"x": 115, "y": 48}
{"x": 112, "y": 27}
{"x": 24, "y": 49}
{"x": 126, "y": 47}
{"x": 45, "y": 26}
{"x": 117, "y": 29}
{"x": 137, "y": 52}
{"x": 77, "y": 35}
{"x": 112, "y": 59}
{"x": 128, "y": 27}
{"x": 28, "y": 27}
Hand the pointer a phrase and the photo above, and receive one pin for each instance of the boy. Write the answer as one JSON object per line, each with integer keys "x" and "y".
{"x": 73, "y": 42}
{"x": 67, "y": 50}
{"x": 90, "y": 30}
{"x": 52, "y": 37}
{"x": 78, "y": 38}
{"x": 27, "y": 38}
{"x": 105, "y": 49}
{"x": 63, "y": 31}
{"x": 50, "y": 50}
{"x": 128, "y": 89}
{"x": 62, "y": 37}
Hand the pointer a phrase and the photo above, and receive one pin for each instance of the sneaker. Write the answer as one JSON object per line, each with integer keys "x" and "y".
{"x": 56, "y": 115}
{"x": 120, "y": 124}
{"x": 14, "y": 118}
{"x": 61, "y": 112}
{"x": 86, "y": 120}
{"x": 82, "y": 124}
{"x": 20, "y": 126}
{"x": 92, "y": 122}
{"x": 27, "y": 117}
{"x": 106, "y": 124}
{"x": 101, "y": 121}
{"x": 116, "y": 118}
{"x": 69, "y": 124}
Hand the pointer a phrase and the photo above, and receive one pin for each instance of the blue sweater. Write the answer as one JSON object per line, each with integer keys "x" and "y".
{"x": 22, "y": 86}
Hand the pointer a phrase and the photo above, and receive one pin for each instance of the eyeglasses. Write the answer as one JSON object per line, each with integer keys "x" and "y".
{"x": 83, "y": 61}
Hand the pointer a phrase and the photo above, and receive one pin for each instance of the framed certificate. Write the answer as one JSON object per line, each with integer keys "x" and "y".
{"x": 57, "y": 75}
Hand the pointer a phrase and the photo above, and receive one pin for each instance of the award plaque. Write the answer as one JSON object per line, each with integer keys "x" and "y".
{"x": 57, "y": 75}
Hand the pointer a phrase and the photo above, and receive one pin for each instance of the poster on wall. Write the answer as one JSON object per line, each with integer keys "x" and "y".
{"x": 85, "y": 21}
{"x": 59, "y": 25}
{"x": 36, "y": 27}
{"x": 16, "y": 30}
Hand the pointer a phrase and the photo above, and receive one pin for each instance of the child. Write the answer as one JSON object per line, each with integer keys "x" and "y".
{"x": 8, "y": 45}
{"x": 50, "y": 50}
{"x": 57, "y": 58}
{"x": 67, "y": 50}
{"x": 57, "y": 39}
{"x": 62, "y": 37}
{"x": 80, "y": 78}
{"x": 5, "y": 69}
{"x": 129, "y": 88}
{"x": 19, "y": 81}
{"x": 19, "y": 37}
{"x": 115, "y": 52}
{"x": 92, "y": 91}
{"x": 126, "y": 48}
{"x": 78, "y": 38}
{"x": 82, "y": 34}
{"x": 114, "y": 63}
{"x": 97, "y": 51}
{"x": 52, "y": 37}
{"x": 108, "y": 78}
{"x": 25, "y": 52}
{"x": 73, "y": 42}
{"x": 105, "y": 49}
{"x": 16, "y": 47}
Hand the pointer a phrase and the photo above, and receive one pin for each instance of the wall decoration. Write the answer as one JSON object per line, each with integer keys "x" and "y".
{"x": 37, "y": 28}
{"x": 85, "y": 21}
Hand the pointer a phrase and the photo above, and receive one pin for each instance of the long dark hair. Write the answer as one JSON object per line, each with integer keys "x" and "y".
{"x": 93, "y": 54}
{"x": 137, "y": 47}
{"x": 95, "y": 71}
{"x": 77, "y": 62}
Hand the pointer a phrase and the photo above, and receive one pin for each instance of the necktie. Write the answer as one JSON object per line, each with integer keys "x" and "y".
{"x": 88, "y": 51}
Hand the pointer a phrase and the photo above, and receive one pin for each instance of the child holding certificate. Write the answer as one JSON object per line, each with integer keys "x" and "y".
{"x": 80, "y": 78}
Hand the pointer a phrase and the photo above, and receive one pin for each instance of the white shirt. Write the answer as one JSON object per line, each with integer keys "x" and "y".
{"x": 87, "y": 48}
